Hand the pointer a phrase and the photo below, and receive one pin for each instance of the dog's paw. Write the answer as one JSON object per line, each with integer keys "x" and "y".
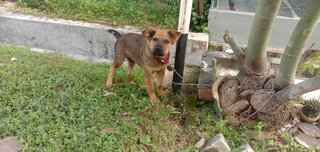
{"x": 108, "y": 85}
{"x": 154, "y": 99}
{"x": 162, "y": 93}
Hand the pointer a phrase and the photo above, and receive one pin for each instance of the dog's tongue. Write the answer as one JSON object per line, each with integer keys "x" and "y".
{"x": 166, "y": 60}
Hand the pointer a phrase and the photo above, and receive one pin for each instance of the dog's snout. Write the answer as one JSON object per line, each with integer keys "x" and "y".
{"x": 158, "y": 50}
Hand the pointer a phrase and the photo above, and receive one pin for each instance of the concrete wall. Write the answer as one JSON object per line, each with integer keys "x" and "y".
{"x": 79, "y": 39}
{"x": 66, "y": 37}
{"x": 239, "y": 24}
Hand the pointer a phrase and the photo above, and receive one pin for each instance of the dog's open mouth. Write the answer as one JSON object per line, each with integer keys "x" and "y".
{"x": 165, "y": 59}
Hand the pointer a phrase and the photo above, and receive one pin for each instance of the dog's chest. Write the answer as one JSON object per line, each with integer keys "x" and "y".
{"x": 157, "y": 67}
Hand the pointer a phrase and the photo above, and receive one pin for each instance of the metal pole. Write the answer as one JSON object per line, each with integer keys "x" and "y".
{"x": 184, "y": 23}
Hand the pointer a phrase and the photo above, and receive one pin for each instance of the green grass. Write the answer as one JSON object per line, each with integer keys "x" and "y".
{"x": 55, "y": 103}
{"x": 140, "y": 13}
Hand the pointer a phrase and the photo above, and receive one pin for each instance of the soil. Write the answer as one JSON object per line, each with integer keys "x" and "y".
{"x": 309, "y": 111}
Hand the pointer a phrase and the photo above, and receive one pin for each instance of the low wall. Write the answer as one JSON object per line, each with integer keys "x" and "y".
{"x": 79, "y": 39}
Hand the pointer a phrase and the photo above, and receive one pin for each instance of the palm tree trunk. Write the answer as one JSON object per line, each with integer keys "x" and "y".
{"x": 256, "y": 55}
{"x": 294, "y": 49}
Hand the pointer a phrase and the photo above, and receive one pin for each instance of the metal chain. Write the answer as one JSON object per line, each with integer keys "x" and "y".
{"x": 170, "y": 68}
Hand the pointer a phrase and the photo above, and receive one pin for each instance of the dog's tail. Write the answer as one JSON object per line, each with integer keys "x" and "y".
{"x": 115, "y": 33}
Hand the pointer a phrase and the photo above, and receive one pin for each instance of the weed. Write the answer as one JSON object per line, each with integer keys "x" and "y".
{"x": 311, "y": 66}
{"x": 258, "y": 127}
{"x": 196, "y": 25}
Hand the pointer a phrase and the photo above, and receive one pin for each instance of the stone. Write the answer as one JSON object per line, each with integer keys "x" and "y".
{"x": 306, "y": 140}
{"x": 309, "y": 129}
{"x": 190, "y": 76}
{"x": 197, "y": 45}
{"x": 217, "y": 143}
{"x": 245, "y": 148}
{"x": 108, "y": 130}
{"x": 229, "y": 92}
{"x": 10, "y": 144}
{"x": 225, "y": 60}
{"x": 205, "y": 134}
{"x": 246, "y": 93}
{"x": 227, "y": 72}
{"x": 205, "y": 94}
{"x": 13, "y": 59}
{"x": 207, "y": 71}
{"x": 235, "y": 107}
{"x": 109, "y": 94}
{"x": 310, "y": 95}
{"x": 200, "y": 143}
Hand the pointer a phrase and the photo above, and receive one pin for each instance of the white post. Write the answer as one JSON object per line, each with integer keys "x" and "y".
{"x": 184, "y": 16}
{"x": 184, "y": 23}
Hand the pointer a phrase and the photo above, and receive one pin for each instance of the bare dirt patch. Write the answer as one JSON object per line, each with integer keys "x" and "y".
{"x": 6, "y": 6}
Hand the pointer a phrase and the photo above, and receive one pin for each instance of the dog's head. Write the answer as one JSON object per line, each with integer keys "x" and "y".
{"x": 160, "y": 41}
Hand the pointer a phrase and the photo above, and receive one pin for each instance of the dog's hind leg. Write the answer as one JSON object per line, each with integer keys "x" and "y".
{"x": 117, "y": 62}
{"x": 132, "y": 65}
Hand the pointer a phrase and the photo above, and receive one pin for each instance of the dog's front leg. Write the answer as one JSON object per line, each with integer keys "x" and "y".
{"x": 160, "y": 75}
{"x": 148, "y": 79}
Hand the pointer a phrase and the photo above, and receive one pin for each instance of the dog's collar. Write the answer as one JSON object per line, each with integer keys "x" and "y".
{"x": 166, "y": 60}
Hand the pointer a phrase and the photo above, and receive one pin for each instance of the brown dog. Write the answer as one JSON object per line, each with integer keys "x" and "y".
{"x": 150, "y": 51}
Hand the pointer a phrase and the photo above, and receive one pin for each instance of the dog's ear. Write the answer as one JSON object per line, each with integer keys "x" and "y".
{"x": 174, "y": 35}
{"x": 149, "y": 33}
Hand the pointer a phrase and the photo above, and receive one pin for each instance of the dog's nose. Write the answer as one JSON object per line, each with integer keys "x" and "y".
{"x": 158, "y": 48}
{"x": 158, "y": 51}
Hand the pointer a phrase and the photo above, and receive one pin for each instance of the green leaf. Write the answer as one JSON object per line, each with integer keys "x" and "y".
{"x": 315, "y": 58}
{"x": 311, "y": 69}
{"x": 303, "y": 69}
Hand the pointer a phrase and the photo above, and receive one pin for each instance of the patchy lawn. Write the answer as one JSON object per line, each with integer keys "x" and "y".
{"x": 55, "y": 103}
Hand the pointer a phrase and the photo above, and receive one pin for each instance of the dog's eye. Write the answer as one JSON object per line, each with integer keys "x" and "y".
{"x": 155, "y": 39}
{"x": 166, "y": 41}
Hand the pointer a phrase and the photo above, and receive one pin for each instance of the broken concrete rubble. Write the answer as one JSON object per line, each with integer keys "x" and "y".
{"x": 217, "y": 143}
{"x": 200, "y": 143}
{"x": 207, "y": 70}
{"x": 10, "y": 144}
{"x": 246, "y": 148}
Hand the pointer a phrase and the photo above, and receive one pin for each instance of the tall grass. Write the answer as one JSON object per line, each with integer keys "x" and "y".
{"x": 141, "y": 13}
